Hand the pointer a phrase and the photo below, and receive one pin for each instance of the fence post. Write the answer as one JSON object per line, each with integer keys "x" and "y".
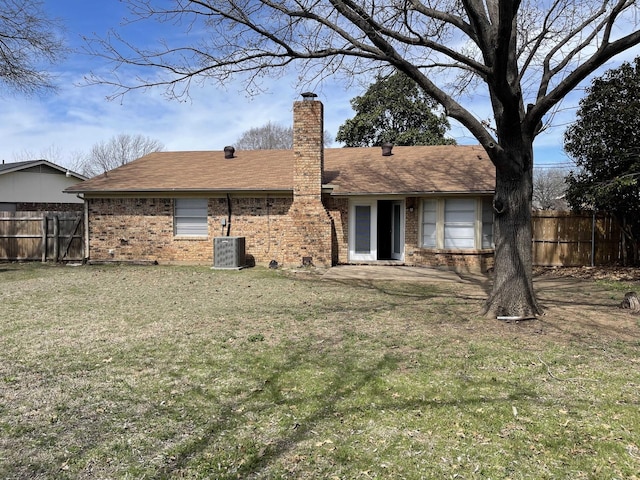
{"x": 593, "y": 239}
{"x": 44, "y": 237}
{"x": 56, "y": 233}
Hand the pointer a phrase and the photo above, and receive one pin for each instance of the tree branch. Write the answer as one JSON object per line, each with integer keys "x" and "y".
{"x": 581, "y": 72}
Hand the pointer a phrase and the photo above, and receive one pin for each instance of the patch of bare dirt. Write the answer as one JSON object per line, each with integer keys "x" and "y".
{"x": 577, "y": 304}
{"x": 620, "y": 274}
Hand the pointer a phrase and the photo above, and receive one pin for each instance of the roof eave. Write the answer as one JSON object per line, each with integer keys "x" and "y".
{"x": 173, "y": 191}
{"x": 415, "y": 193}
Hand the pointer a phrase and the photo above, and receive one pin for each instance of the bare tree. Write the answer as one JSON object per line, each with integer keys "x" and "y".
{"x": 523, "y": 56}
{"x": 549, "y": 188}
{"x": 271, "y": 136}
{"x": 28, "y": 41}
{"x": 52, "y": 154}
{"x": 75, "y": 160}
{"x": 117, "y": 151}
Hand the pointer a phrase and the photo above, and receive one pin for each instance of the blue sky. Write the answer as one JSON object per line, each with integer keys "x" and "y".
{"x": 60, "y": 126}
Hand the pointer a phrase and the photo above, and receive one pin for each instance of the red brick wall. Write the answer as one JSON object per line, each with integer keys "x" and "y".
{"x": 141, "y": 229}
{"x": 338, "y": 209}
{"x": 308, "y": 235}
{"x": 262, "y": 221}
{"x": 462, "y": 260}
{"x": 274, "y": 229}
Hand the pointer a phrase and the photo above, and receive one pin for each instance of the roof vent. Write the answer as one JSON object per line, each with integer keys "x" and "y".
{"x": 229, "y": 151}
{"x": 386, "y": 149}
{"x": 308, "y": 96}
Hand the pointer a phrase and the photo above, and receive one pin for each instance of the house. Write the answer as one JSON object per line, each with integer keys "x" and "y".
{"x": 37, "y": 185}
{"x": 427, "y": 205}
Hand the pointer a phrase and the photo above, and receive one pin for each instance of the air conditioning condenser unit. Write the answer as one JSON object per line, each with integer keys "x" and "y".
{"x": 229, "y": 252}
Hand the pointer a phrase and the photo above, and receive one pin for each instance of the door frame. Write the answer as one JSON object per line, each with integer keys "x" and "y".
{"x": 372, "y": 254}
{"x": 372, "y": 203}
{"x": 397, "y": 230}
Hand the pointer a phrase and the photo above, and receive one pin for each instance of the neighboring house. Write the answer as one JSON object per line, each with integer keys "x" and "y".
{"x": 426, "y": 205}
{"x": 37, "y": 185}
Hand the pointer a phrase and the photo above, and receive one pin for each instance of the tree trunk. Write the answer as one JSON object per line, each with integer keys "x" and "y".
{"x": 512, "y": 296}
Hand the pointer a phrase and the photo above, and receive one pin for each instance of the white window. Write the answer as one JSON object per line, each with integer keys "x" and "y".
{"x": 190, "y": 217}
{"x": 429, "y": 217}
{"x": 457, "y": 223}
{"x": 487, "y": 223}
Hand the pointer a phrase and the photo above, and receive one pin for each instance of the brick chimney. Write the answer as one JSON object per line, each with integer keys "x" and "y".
{"x": 308, "y": 147}
{"x": 309, "y": 234}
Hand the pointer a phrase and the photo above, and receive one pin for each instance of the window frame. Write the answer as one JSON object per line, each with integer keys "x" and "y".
{"x": 194, "y": 209}
{"x": 482, "y": 237}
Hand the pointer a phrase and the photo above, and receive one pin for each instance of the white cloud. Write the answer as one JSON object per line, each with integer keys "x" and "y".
{"x": 78, "y": 117}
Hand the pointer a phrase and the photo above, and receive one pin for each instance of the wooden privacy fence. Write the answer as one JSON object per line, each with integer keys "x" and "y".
{"x": 570, "y": 239}
{"x": 44, "y": 236}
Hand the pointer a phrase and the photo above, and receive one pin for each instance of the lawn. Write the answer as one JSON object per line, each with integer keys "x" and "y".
{"x": 187, "y": 372}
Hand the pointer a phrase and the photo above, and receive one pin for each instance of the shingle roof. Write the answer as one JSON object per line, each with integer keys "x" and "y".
{"x": 350, "y": 171}
{"x": 5, "y": 167}
{"x": 446, "y": 168}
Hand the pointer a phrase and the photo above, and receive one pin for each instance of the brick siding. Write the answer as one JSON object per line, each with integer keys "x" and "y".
{"x": 338, "y": 209}
{"x": 142, "y": 229}
{"x": 309, "y": 226}
{"x": 460, "y": 260}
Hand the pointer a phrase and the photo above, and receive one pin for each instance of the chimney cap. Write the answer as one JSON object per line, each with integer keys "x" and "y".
{"x": 308, "y": 96}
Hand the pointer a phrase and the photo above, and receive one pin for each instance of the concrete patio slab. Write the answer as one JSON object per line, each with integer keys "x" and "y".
{"x": 403, "y": 273}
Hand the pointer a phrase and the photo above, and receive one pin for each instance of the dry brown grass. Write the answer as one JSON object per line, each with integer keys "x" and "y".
{"x": 184, "y": 372}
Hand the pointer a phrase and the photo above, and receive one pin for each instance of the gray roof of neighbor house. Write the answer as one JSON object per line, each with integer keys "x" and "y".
{"x": 37, "y": 166}
{"x": 347, "y": 171}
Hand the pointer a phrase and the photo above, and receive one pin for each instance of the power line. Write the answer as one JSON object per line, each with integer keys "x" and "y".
{"x": 567, "y": 166}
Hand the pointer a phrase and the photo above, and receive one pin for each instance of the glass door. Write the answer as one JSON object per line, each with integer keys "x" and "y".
{"x": 397, "y": 230}
{"x": 362, "y": 231}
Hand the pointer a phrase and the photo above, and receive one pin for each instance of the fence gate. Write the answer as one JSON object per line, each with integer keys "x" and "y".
{"x": 44, "y": 236}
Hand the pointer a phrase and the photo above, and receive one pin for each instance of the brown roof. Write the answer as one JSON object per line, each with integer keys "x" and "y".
{"x": 350, "y": 171}
{"x": 445, "y": 168}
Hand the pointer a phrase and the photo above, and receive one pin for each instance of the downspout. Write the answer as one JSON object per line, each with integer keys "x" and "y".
{"x": 228, "y": 214}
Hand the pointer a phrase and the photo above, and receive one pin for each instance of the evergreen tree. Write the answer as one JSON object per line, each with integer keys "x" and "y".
{"x": 394, "y": 110}
{"x": 605, "y": 145}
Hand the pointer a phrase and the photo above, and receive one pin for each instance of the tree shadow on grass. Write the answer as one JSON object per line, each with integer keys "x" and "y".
{"x": 567, "y": 291}
{"x": 559, "y": 297}
{"x": 334, "y": 400}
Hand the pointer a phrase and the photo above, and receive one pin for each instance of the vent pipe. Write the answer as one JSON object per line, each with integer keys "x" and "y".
{"x": 229, "y": 151}
{"x": 386, "y": 149}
